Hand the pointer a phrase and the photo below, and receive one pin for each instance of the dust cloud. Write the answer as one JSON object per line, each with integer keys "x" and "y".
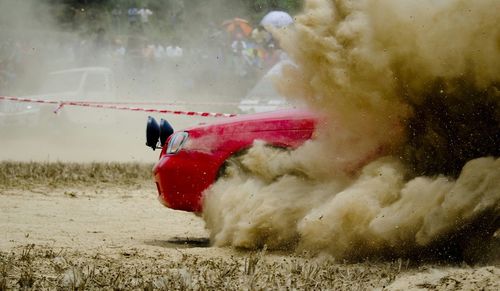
{"x": 407, "y": 160}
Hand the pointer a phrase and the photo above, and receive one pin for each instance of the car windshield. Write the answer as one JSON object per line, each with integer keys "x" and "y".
{"x": 61, "y": 82}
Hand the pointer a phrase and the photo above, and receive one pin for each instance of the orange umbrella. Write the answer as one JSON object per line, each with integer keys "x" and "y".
{"x": 233, "y": 25}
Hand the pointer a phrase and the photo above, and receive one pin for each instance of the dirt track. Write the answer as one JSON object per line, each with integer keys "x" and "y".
{"x": 97, "y": 235}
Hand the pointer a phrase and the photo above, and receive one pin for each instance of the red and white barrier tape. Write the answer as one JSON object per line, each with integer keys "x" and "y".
{"x": 107, "y": 105}
{"x": 174, "y": 103}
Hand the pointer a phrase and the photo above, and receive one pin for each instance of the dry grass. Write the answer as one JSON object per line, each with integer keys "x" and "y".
{"x": 58, "y": 174}
{"x": 45, "y": 268}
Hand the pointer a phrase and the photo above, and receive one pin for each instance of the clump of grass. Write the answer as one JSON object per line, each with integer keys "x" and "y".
{"x": 76, "y": 279}
{"x": 27, "y": 278}
{"x": 26, "y": 254}
{"x": 55, "y": 174}
{"x": 4, "y": 268}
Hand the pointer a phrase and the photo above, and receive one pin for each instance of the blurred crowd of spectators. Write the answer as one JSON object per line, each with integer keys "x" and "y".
{"x": 234, "y": 50}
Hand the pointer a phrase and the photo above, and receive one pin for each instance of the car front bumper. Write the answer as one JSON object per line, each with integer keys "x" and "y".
{"x": 181, "y": 178}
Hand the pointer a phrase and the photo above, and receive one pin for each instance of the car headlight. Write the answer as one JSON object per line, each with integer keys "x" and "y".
{"x": 176, "y": 142}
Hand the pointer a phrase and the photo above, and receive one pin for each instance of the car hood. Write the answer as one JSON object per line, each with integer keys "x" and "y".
{"x": 290, "y": 119}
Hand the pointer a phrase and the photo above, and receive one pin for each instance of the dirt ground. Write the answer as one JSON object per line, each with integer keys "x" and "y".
{"x": 90, "y": 234}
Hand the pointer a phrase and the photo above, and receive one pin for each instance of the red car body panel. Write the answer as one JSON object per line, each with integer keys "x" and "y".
{"x": 182, "y": 177}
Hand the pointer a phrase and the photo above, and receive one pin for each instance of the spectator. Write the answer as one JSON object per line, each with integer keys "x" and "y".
{"x": 145, "y": 13}
{"x": 174, "y": 51}
{"x": 116, "y": 15}
{"x": 159, "y": 52}
{"x": 133, "y": 14}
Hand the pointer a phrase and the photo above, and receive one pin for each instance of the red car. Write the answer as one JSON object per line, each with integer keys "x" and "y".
{"x": 191, "y": 159}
